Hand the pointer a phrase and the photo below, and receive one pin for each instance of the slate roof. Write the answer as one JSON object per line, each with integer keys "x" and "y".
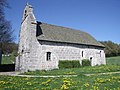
{"x": 67, "y": 35}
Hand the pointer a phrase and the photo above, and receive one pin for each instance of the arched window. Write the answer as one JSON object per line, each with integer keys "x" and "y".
{"x": 82, "y": 53}
{"x": 48, "y": 56}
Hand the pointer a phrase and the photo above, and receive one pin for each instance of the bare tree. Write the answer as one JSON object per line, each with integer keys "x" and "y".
{"x": 6, "y": 32}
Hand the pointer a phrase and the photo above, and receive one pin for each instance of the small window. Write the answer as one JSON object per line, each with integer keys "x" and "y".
{"x": 90, "y": 58}
{"x": 100, "y": 53}
{"x": 22, "y": 50}
{"x": 48, "y": 56}
{"x": 82, "y": 53}
{"x": 25, "y": 12}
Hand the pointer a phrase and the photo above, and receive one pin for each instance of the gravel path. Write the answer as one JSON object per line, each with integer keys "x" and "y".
{"x": 17, "y": 74}
{"x": 103, "y": 73}
{"x": 10, "y": 73}
{"x": 47, "y": 76}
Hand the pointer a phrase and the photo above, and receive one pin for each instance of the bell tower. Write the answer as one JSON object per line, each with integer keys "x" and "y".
{"x": 26, "y": 28}
{"x": 27, "y": 11}
{"x": 27, "y": 33}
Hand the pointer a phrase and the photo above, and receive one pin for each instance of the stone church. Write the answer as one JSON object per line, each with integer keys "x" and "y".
{"x": 42, "y": 45}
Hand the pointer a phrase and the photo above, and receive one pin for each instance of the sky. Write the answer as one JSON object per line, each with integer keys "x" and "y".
{"x": 100, "y": 18}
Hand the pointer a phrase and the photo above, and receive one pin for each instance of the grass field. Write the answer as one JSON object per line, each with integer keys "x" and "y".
{"x": 78, "y": 71}
{"x": 113, "y": 60}
{"x": 101, "y": 82}
{"x": 8, "y": 59}
{"x": 81, "y": 82}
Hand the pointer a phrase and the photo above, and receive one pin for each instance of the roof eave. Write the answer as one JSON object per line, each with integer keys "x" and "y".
{"x": 102, "y": 46}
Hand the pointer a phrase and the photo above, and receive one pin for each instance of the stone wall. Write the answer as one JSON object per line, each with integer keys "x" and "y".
{"x": 33, "y": 53}
{"x": 27, "y": 38}
{"x": 59, "y": 51}
{"x": 64, "y": 51}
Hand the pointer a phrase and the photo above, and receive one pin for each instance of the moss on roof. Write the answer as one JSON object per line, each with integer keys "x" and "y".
{"x": 68, "y": 35}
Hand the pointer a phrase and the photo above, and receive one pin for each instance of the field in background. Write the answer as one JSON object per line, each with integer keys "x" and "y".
{"x": 113, "y": 60}
{"x": 8, "y": 59}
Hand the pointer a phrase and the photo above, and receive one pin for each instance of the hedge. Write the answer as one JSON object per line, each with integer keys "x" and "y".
{"x": 86, "y": 62}
{"x": 69, "y": 64}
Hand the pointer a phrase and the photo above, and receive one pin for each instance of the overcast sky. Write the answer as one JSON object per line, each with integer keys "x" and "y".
{"x": 100, "y": 18}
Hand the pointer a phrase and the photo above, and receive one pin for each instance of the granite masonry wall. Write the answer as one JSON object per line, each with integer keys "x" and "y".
{"x": 65, "y": 51}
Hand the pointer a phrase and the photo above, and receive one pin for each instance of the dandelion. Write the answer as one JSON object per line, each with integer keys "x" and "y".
{"x": 87, "y": 84}
{"x": 95, "y": 88}
{"x": 64, "y": 87}
{"x": 44, "y": 89}
{"x": 70, "y": 73}
{"x": 29, "y": 83}
{"x": 100, "y": 80}
{"x": 46, "y": 83}
{"x": 66, "y": 84}
{"x": 55, "y": 89}
{"x": 118, "y": 88}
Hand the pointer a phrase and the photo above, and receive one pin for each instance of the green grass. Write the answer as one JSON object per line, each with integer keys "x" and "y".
{"x": 8, "y": 59}
{"x": 113, "y": 60}
{"x": 103, "y": 82}
{"x": 74, "y": 71}
{"x": 81, "y": 82}
{"x": 113, "y": 65}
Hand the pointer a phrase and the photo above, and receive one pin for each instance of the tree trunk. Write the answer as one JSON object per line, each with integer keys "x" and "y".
{"x": 0, "y": 56}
